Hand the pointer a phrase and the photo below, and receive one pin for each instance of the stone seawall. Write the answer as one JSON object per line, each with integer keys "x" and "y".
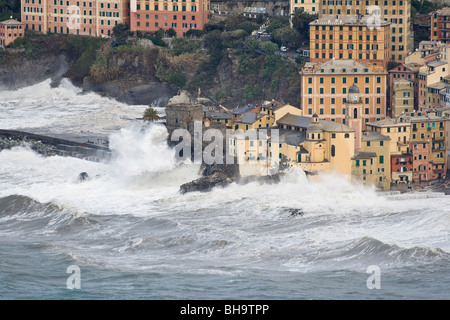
{"x": 50, "y": 146}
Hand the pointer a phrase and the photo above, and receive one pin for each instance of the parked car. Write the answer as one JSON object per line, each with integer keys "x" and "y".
{"x": 283, "y": 48}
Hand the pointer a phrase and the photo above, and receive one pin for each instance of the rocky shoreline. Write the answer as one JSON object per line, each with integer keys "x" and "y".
{"x": 211, "y": 176}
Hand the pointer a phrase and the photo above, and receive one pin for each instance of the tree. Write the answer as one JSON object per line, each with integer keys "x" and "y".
{"x": 248, "y": 26}
{"x": 150, "y": 114}
{"x": 277, "y": 23}
{"x": 301, "y": 21}
{"x": 269, "y": 47}
{"x": 120, "y": 34}
{"x": 214, "y": 44}
{"x": 171, "y": 33}
{"x": 286, "y": 35}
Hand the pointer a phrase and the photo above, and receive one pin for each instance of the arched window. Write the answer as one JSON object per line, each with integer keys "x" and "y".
{"x": 347, "y": 135}
{"x": 312, "y": 136}
{"x": 333, "y": 150}
{"x": 355, "y": 113}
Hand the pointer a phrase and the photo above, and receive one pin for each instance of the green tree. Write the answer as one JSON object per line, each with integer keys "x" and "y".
{"x": 248, "y": 26}
{"x": 214, "y": 44}
{"x": 269, "y": 47}
{"x": 301, "y": 21}
{"x": 233, "y": 20}
{"x": 277, "y": 23}
{"x": 120, "y": 35}
{"x": 286, "y": 35}
{"x": 150, "y": 114}
{"x": 171, "y": 33}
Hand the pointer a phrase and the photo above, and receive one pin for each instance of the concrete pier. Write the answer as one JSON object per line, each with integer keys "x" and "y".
{"x": 48, "y": 146}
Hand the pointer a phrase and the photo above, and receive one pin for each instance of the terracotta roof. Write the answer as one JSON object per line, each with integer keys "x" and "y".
{"x": 11, "y": 22}
{"x": 304, "y": 122}
{"x": 364, "y": 155}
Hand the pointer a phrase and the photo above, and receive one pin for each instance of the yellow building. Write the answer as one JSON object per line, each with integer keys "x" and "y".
{"x": 350, "y": 37}
{"x": 397, "y": 12}
{"x": 428, "y": 141}
{"x": 279, "y": 110}
{"x": 372, "y": 165}
{"x": 431, "y": 77}
{"x": 324, "y": 89}
{"x": 398, "y": 129}
{"x": 308, "y": 6}
{"x": 253, "y": 120}
{"x": 403, "y": 97}
{"x": 251, "y": 152}
{"x": 321, "y": 145}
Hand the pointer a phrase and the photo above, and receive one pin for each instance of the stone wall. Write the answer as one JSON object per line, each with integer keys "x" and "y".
{"x": 183, "y": 116}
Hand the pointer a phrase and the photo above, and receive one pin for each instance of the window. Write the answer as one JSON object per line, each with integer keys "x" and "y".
{"x": 381, "y": 160}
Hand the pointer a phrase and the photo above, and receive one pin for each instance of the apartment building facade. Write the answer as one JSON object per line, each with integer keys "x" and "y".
{"x": 308, "y": 6}
{"x": 179, "y": 15}
{"x": 325, "y": 88}
{"x": 440, "y": 25}
{"x": 10, "y": 30}
{"x": 428, "y": 146}
{"x": 92, "y": 17}
{"x": 397, "y": 12}
{"x": 431, "y": 82}
{"x": 403, "y": 97}
{"x": 350, "y": 37}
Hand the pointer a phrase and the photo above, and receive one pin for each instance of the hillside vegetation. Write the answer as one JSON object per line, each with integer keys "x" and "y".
{"x": 224, "y": 61}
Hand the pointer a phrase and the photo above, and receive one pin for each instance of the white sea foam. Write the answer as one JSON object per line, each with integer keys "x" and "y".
{"x": 64, "y": 110}
{"x": 242, "y": 226}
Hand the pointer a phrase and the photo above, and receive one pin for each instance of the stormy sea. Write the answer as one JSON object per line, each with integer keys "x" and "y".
{"x": 130, "y": 234}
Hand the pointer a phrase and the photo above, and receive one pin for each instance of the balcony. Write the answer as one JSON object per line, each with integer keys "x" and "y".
{"x": 440, "y": 148}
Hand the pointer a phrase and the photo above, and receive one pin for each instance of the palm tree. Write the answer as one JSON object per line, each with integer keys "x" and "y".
{"x": 150, "y": 114}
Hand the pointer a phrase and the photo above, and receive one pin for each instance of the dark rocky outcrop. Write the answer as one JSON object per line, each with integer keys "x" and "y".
{"x": 83, "y": 177}
{"x": 215, "y": 175}
{"x": 153, "y": 93}
{"x": 206, "y": 183}
{"x": 26, "y": 72}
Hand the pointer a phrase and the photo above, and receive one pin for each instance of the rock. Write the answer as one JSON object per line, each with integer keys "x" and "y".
{"x": 182, "y": 98}
{"x": 83, "y": 177}
{"x": 147, "y": 94}
{"x": 29, "y": 71}
{"x": 295, "y": 212}
{"x": 217, "y": 179}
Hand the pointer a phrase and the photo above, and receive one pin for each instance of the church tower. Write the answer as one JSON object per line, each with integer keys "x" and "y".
{"x": 353, "y": 109}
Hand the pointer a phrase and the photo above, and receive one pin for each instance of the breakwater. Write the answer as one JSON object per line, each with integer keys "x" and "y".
{"x": 50, "y": 146}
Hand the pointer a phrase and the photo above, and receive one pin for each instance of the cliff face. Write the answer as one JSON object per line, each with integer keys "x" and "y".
{"x": 20, "y": 71}
{"x": 136, "y": 82}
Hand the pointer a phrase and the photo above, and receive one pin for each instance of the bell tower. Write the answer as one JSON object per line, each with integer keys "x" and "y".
{"x": 353, "y": 113}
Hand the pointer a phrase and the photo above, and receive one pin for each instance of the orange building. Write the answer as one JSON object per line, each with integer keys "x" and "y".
{"x": 179, "y": 15}
{"x": 94, "y": 17}
{"x": 397, "y": 12}
{"x": 10, "y": 30}
{"x": 440, "y": 25}
{"x": 325, "y": 87}
{"x": 349, "y": 37}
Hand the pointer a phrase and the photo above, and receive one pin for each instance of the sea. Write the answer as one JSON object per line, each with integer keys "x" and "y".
{"x": 127, "y": 233}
